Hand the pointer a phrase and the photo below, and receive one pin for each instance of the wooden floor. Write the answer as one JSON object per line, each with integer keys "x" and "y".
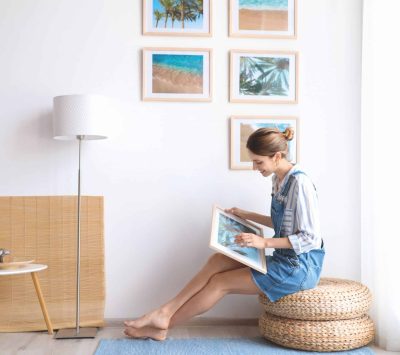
{"x": 40, "y": 343}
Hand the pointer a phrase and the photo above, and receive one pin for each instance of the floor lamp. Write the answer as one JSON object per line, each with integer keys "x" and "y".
{"x": 79, "y": 117}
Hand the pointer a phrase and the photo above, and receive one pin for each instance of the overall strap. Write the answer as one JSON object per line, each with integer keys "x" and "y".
{"x": 289, "y": 182}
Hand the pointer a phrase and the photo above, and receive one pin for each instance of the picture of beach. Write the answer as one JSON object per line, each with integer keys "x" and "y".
{"x": 263, "y": 77}
{"x": 178, "y": 17}
{"x": 263, "y": 18}
{"x": 263, "y": 15}
{"x": 242, "y": 127}
{"x": 177, "y": 73}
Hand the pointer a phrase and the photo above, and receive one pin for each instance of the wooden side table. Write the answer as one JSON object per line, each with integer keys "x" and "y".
{"x": 33, "y": 269}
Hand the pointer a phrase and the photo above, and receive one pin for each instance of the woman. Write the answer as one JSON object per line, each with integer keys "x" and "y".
{"x": 295, "y": 264}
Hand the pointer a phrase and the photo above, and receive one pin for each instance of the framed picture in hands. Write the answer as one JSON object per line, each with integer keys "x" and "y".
{"x": 225, "y": 227}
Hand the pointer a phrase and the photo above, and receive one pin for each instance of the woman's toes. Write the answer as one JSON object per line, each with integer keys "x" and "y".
{"x": 146, "y": 332}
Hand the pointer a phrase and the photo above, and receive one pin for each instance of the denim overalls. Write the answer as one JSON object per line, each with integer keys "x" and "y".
{"x": 288, "y": 272}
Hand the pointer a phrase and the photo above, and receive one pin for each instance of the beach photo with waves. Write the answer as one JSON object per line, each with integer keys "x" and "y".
{"x": 263, "y": 15}
{"x": 177, "y": 73}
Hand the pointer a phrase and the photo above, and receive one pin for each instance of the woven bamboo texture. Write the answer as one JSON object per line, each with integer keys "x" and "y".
{"x": 334, "y": 335}
{"x": 44, "y": 229}
{"x": 332, "y": 299}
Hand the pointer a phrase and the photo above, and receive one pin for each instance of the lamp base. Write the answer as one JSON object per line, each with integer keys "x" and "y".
{"x": 72, "y": 334}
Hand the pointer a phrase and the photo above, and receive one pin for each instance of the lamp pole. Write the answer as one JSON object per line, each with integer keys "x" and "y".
{"x": 78, "y": 332}
{"x": 79, "y": 117}
{"x": 78, "y": 248}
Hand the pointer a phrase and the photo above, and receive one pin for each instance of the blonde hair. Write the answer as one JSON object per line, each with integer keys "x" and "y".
{"x": 269, "y": 141}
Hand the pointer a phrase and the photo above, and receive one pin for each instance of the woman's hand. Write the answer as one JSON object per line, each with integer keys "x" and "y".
{"x": 238, "y": 212}
{"x": 250, "y": 240}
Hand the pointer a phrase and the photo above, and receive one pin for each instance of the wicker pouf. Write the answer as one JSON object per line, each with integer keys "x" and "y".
{"x": 330, "y": 317}
{"x": 331, "y": 299}
{"x": 336, "y": 335}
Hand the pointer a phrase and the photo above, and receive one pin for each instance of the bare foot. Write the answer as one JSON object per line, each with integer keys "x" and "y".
{"x": 157, "y": 319}
{"x": 146, "y": 332}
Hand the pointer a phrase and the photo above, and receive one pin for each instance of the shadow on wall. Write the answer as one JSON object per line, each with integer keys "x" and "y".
{"x": 31, "y": 134}
{"x": 33, "y": 151}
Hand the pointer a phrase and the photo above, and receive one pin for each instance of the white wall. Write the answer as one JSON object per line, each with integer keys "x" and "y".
{"x": 167, "y": 163}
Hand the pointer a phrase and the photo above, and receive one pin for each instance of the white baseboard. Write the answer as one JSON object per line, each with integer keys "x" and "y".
{"x": 197, "y": 322}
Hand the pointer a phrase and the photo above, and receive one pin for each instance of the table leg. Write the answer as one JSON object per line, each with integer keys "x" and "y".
{"x": 41, "y": 301}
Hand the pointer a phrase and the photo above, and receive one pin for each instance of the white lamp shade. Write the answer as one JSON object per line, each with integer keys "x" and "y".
{"x": 80, "y": 115}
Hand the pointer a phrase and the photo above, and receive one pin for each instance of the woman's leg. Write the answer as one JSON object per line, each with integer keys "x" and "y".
{"x": 160, "y": 317}
{"x": 238, "y": 281}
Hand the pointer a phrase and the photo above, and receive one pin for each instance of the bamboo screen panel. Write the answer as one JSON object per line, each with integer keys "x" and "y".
{"x": 44, "y": 229}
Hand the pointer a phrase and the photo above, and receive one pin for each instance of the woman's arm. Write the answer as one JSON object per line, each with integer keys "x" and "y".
{"x": 278, "y": 243}
{"x": 261, "y": 219}
{"x": 307, "y": 235}
{"x": 255, "y": 241}
{"x": 251, "y": 216}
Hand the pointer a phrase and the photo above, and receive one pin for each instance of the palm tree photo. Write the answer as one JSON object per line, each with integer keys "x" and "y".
{"x": 264, "y": 76}
{"x": 188, "y": 13}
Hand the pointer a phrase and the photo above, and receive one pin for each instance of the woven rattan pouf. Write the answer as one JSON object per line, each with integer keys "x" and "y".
{"x": 330, "y": 317}
{"x": 335, "y": 335}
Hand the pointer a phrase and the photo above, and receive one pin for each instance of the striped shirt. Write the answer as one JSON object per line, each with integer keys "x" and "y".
{"x": 301, "y": 214}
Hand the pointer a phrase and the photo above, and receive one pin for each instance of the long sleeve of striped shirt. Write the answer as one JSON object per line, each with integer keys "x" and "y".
{"x": 301, "y": 222}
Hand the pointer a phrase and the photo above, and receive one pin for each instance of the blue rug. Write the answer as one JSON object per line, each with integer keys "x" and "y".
{"x": 204, "y": 346}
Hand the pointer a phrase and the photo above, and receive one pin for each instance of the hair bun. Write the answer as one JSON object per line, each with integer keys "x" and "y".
{"x": 288, "y": 133}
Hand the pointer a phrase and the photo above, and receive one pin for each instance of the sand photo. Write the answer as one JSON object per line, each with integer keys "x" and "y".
{"x": 176, "y": 74}
{"x": 263, "y": 18}
{"x": 243, "y": 126}
{"x": 177, "y": 17}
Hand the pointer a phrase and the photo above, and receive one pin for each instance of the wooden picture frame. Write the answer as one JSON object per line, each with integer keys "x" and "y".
{"x": 264, "y": 76}
{"x": 263, "y": 19}
{"x": 242, "y": 126}
{"x": 225, "y": 227}
{"x": 159, "y": 20}
{"x": 177, "y": 74}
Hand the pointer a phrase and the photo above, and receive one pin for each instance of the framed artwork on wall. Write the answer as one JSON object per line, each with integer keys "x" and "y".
{"x": 263, "y": 18}
{"x": 177, "y": 74}
{"x": 263, "y": 77}
{"x": 243, "y": 126}
{"x": 177, "y": 17}
{"x": 225, "y": 227}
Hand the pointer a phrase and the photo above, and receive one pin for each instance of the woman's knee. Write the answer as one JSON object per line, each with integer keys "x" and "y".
{"x": 237, "y": 281}
{"x": 217, "y": 259}
{"x": 220, "y": 262}
{"x": 217, "y": 282}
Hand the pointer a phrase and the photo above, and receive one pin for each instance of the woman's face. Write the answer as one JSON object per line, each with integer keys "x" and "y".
{"x": 264, "y": 164}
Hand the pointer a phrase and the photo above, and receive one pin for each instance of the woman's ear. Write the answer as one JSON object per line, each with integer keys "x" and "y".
{"x": 277, "y": 157}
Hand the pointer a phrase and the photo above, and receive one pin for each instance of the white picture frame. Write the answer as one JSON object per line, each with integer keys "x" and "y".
{"x": 263, "y": 77}
{"x": 225, "y": 227}
{"x": 177, "y": 74}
